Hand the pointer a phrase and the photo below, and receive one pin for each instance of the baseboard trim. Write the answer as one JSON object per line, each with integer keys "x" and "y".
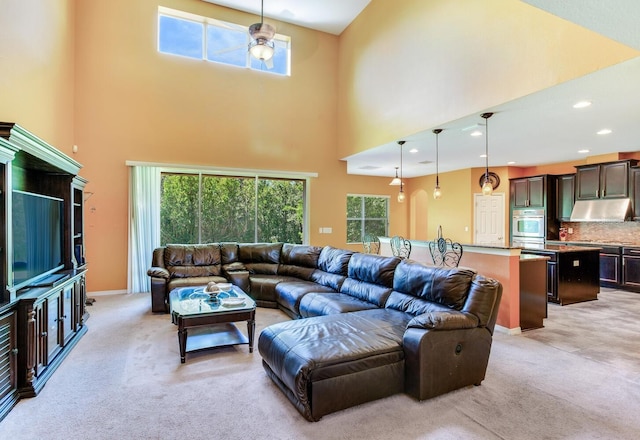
{"x": 107, "y": 292}
{"x": 509, "y": 331}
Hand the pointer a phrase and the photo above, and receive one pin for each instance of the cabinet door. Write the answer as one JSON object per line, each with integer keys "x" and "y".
{"x": 609, "y": 269}
{"x": 67, "y": 316}
{"x": 552, "y": 281}
{"x": 588, "y": 182}
{"x": 536, "y": 192}
{"x": 635, "y": 192}
{"x": 566, "y": 196}
{"x": 631, "y": 271}
{"x": 614, "y": 180}
{"x": 520, "y": 193}
{"x": 54, "y": 339}
{"x": 8, "y": 367}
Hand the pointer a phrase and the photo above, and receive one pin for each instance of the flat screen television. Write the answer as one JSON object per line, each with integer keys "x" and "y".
{"x": 38, "y": 234}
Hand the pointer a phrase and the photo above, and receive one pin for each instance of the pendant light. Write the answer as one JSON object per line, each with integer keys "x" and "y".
{"x": 401, "y": 195}
{"x": 396, "y": 180}
{"x": 262, "y": 45}
{"x": 437, "y": 192}
{"x": 487, "y": 187}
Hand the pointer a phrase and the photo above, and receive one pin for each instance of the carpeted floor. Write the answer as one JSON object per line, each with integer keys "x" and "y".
{"x": 577, "y": 378}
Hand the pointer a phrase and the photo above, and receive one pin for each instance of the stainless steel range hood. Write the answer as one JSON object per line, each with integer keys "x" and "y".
{"x": 602, "y": 210}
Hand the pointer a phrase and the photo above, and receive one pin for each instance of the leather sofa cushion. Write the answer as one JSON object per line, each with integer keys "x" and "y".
{"x": 372, "y": 268}
{"x": 229, "y": 252}
{"x": 259, "y": 252}
{"x": 300, "y": 255}
{"x": 193, "y": 281}
{"x": 192, "y": 260}
{"x": 328, "y": 279}
{"x": 262, "y": 268}
{"x": 445, "y": 286}
{"x": 289, "y": 294}
{"x": 369, "y": 292}
{"x": 334, "y": 260}
{"x": 319, "y": 304}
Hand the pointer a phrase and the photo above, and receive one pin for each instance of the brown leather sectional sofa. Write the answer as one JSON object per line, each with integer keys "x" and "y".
{"x": 365, "y": 326}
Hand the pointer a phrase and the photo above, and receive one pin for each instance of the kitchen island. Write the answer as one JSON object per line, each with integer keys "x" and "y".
{"x": 573, "y": 272}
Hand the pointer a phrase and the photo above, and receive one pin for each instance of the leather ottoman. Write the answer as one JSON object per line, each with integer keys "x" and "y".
{"x": 328, "y": 363}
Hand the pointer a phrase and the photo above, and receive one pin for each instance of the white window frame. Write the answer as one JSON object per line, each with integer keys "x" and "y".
{"x": 207, "y": 21}
{"x": 363, "y": 218}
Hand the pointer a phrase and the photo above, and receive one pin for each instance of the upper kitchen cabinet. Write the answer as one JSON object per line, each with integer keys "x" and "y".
{"x": 634, "y": 183}
{"x": 566, "y": 185}
{"x": 528, "y": 192}
{"x": 604, "y": 180}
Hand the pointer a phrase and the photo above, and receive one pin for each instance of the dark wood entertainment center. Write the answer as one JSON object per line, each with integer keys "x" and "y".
{"x": 42, "y": 303}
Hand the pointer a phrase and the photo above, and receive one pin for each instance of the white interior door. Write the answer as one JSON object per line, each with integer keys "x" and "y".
{"x": 489, "y": 219}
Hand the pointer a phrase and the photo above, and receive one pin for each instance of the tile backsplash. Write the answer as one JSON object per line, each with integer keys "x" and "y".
{"x": 622, "y": 232}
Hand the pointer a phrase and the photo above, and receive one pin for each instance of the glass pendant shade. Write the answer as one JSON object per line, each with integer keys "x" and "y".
{"x": 437, "y": 192}
{"x": 396, "y": 180}
{"x": 487, "y": 187}
{"x": 401, "y": 196}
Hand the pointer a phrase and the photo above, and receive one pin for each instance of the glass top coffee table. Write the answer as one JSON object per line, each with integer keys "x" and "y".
{"x": 206, "y": 323}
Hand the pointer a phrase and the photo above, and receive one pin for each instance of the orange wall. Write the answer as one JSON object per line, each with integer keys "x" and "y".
{"x": 134, "y": 103}
{"x": 439, "y": 60}
{"x": 88, "y": 73}
{"x": 36, "y": 68}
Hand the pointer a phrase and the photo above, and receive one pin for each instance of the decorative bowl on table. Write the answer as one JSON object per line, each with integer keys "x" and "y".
{"x": 212, "y": 289}
{"x": 225, "y": 287}
{"x": 232, "y": 301}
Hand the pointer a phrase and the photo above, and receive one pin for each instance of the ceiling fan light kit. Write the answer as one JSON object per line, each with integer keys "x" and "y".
{"x": 262, "y": 45}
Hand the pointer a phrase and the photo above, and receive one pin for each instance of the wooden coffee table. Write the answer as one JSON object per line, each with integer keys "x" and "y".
{"x": 203, "y": 323}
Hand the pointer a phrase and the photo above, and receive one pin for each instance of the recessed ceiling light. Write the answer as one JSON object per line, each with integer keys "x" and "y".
{"x": 583, "y": 151}
{"x": 483, "y": 155}
{"x": 476, "y": 133}
{"x": 511, "y": 162}
{"x": 604, "y": 131}
{"x": 413, "y": 150}
{"x": 582, "y": 104}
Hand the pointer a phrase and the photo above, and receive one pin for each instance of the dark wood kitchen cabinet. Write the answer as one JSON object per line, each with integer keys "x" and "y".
{"x": 603, "y": 181}
{"x": 566, "y": 193}
{"x": 8, "y": 364}
{"x": 631, "y": 268}
{"x": 528, "y": 192}
{"x": 634, "y": 184}
{"x": 572, "y": 273}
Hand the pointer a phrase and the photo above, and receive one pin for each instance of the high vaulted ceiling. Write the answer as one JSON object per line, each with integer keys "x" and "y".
{"x": 537, "y": 129}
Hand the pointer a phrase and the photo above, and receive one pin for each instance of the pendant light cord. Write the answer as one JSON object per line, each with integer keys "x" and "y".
{"x": 486, "y": 117}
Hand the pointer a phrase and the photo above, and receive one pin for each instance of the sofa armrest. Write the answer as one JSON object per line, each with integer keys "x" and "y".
{"x": 440, "y": 320}
{"x": 241, "y": 279}
{"x": 158, "y": 272}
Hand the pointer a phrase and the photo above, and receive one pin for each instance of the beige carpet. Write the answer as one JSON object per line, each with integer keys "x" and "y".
{"x": 577, "y": 378}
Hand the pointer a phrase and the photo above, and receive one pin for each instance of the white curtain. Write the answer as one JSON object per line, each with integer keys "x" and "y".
{"x": 144, "y": 225}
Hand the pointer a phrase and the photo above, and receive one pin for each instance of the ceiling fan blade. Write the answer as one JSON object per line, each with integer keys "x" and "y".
{"x": 229, "y": 49}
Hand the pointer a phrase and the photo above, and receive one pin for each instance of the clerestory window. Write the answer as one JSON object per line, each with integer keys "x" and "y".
{"x": 203, "y": 38}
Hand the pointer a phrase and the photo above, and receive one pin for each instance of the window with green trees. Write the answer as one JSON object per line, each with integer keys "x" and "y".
{"x": 204, "y": 208}
{"x": 366, "y": 215}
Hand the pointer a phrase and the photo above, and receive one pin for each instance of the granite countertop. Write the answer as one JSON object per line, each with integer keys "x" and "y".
{"x": 590, "y": 243}
{"x": 532, "y": 257}
{"x": 564, "y": 248}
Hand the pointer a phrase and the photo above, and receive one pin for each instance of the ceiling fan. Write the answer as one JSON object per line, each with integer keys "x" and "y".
{"x": 261, "y": 45}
